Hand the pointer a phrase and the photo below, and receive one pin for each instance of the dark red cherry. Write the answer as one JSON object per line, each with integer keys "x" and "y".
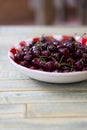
{"x": 45, "y": 53}
{"x": 13, "y": 50}
{"x": 50, "y": 66}
{"x": 28, "y": 57}
{"x": 64, "y": 51}
{"x": 24, "y": 63}
{"x": 79, "y": 64}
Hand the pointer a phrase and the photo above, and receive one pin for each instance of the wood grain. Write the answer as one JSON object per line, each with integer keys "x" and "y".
{"x": 62, "y": 109}
{"x": 12, "y": 111}
{"x": 42, "y": 97}
{"x": 44, "y": 124}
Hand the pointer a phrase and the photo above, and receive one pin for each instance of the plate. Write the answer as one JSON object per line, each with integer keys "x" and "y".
{"x": 51, "y": 77}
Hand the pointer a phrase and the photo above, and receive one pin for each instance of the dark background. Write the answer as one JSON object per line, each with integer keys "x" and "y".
{"x": 43, "y": 12}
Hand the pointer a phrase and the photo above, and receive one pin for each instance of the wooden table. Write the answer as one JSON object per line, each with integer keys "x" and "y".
{"x": 29, "y": 104}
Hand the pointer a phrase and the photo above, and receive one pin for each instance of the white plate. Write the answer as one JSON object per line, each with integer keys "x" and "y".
{"x": 51, "y": 77}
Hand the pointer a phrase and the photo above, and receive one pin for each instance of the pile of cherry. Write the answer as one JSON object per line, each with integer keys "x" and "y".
{"x": 51, "y": 55}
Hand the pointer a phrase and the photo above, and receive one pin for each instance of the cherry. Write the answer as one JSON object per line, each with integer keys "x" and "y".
{"x": 85, "y": 57}
{"x": 25, "y": 48}
{"x": 43, "y": 39}
{"x": 28, "y": 57}
{"x": 44, "y": 46}
{"x": 70, "y": 61}
{"x": 45, "y": 53}
{"x": 60, "y": 46}
{"x": 49, "y": 54}
{"x": 79, "y": 64}
{"x": 57, "y": 56}
{"x": 24, "y": 63}
{"x": 35, "y": 62}
{"x": 36, "y": 53}
{"x": 18, "y": 56}
{"x": 64, "y": 51}
{"x": 79, "y": 53}
{"x": 42, "y": 64}
{"x": 69, "y": 45}
{"x": 36, "y": 39}
{"x": 85, "y": 68}
{"x": 52, "y": 48}
{"x": 50, "y": 66}
{"x": 13, "y": 50}
{"x": 64, "y": 38}
{"x": 23, "y": 43}
{"x": 84, "y": 41}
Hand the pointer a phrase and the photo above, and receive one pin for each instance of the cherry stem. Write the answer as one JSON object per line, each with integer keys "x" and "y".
{"x": 65, "y": 64}
{"x": 61, "y": 59}
{"x": 82, "y": 36}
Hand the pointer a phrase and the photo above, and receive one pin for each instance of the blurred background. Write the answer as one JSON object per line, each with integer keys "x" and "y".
{"x": 43, "y": 12}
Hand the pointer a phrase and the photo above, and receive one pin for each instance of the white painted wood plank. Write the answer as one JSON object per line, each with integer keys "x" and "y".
{"x": 30, "y": 84}
{"x": 12, "y": 111}
{"x": 44, "y": 124}
{"x": 57, "y": 110}
{"x": 26, "y": 31}
{"x": 42, "y": 97}
{"x": 7, "y": 71}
